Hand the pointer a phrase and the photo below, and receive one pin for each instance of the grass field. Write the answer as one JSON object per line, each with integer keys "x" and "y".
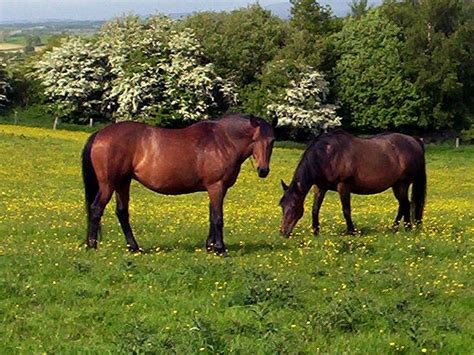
{"x": 379, "y": 292}
{"x": 4, "y": 46}
{"x": 22, "y": 39}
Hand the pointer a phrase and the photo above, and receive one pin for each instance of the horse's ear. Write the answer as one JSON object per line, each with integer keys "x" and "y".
{"x": 275, "y": 122}
{"x": 254, "y": 122}
{"x": 285, "y": 186}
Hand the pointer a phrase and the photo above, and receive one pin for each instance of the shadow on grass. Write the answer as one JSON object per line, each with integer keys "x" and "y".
{"x": 259, "y": 246}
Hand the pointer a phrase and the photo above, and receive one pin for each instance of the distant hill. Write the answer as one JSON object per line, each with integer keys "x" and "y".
{"x": 340, "y": 8}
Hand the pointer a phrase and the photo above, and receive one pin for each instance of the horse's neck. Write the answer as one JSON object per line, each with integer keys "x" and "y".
{"x": 303, "y": 178}
{"x": 241, "y": 139}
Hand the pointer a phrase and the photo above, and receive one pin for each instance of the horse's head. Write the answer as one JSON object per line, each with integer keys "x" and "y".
{"x": 292, "y": 203}
{"x": 263, "y": 139}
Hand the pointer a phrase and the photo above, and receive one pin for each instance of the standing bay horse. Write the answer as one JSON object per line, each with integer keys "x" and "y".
{"x": 205, "y": 156}
{"x": 338, "y": 161}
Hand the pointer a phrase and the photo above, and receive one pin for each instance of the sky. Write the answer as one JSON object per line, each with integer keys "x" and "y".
{"x": 33, "y": 10}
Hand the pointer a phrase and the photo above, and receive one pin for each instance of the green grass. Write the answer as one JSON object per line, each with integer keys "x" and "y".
{"x": 21, "y": 39}
{"x": 38, "y": 116}
{"x": 379, "y": 292}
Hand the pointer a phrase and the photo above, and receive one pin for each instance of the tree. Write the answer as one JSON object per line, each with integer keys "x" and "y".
{"x": 157, "y": 72}
{"x": 359, "y": 7}
{"x": 304, "y": 104}
{"x": 4, "y": 85}
{"x": 239, "y": 43}
{"x": 369, "y": 79}
{"x": 437, "y": 56}
{"x": 133, "y": 69}
{"x": 310, "y": 16}
{"x": 74, "y": 78}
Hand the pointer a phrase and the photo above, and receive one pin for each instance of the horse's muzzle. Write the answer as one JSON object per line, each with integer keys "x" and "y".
{"x": 263, "y": 172}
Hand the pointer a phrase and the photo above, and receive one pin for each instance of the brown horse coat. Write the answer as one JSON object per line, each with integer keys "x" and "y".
{"x": 205, "y": 156}
{"x": 338, "y": 161}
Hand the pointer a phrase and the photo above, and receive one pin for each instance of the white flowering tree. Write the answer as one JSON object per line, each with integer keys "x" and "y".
{"x": 134, "y": 70}
{"x": 304, "y": 104}
{"x": 4, "y": 86}
{"x": 74, "y": 77}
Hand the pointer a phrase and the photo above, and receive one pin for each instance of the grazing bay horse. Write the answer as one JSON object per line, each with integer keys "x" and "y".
{"x": 338, "y": 161}
{"x": 206, "y": 156}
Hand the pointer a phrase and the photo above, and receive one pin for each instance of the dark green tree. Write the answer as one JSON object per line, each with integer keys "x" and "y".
{"x": 310, "y": 16}
{"x": 309, "y": 44}
{"x": 438, "y": 57}
{"x": 239, "y": 43}
{"x": 370, "y": 82}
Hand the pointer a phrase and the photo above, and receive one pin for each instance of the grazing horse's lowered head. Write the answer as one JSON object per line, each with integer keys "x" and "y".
{"x": 292, "y": 204}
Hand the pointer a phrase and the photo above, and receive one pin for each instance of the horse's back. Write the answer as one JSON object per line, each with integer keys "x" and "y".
{"x": 169, "y": 161}
{"x": 385, "y": 160}
{"x": 369, "y": 165}
{"x": 409, "y": 150}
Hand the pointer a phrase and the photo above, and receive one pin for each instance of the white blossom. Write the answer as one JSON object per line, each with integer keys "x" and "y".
{"x": 73, "y": 76}
{"x": 4, "y": 85}
{"x": 134, "y": 69}
{"x": 303, "y": 104}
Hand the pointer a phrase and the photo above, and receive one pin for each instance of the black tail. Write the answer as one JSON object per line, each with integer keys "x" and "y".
{"x": 91, "y": 185}
{"x": 418, "y": 193}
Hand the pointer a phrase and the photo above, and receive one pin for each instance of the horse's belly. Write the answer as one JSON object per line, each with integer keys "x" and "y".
{"x": 170, "y": 182}
{"x": 367, "y": 190}
{"x": 171, "y": 188}
{"x": 372, "y": 186}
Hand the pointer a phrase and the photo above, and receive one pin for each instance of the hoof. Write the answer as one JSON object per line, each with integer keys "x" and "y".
{"x": 351, "y": 232}
{"x": 222, "y": 252}
{"x": 316, "y": 231}
{"x": 91, "y": 245}
{"x": 135, "y": 249}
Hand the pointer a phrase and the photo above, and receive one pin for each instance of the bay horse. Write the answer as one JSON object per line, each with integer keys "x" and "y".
{"x": 339, "y": 161}
{"x": 205, "y": 156}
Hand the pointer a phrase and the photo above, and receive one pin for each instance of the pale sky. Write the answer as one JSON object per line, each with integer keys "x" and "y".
{"x": 32, "y": 10}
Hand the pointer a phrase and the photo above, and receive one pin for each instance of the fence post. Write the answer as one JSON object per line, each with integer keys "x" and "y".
{"x": 457, "y": 142}
{"x": 55, "y": 124}
{"x": 91, "y": 122}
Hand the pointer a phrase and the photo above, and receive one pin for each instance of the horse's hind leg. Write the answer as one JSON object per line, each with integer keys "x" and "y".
{"x": 96, "y": 212}
{"x": 400, "y": 190}
{"x": 122, "y": 194}
{"x": 345, "y": 195}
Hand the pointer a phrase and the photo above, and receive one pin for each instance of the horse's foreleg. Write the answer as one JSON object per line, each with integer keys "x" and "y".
{"x": 122, "y": 195}
{"x": 96, "y": 212}
{"x": 345, "y": 195}
{"x": 211, "y": 239}
{"x": 215, "y": 240}
{"x": 400, "y": 190}
{"x": 318, "y": 200}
